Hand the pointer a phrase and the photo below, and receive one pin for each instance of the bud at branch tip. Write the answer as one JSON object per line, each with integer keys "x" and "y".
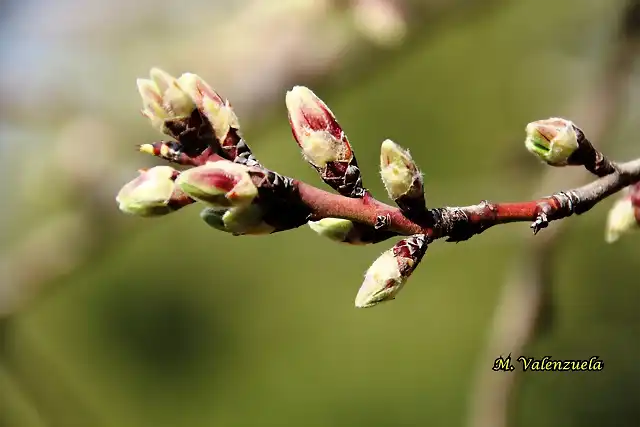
{"x": 552, "y": 140}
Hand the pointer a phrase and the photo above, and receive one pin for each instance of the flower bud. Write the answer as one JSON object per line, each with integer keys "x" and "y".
{"x": 388, "y": 274}
{"x": 165, "y": 97}
{"x": 553, "y": 140}
{"x": 336, "y": 229}
{"x": 401, "y": 176}
{"x": 324, "y": 145}
{"x": 244, "y": 220}
{"x": 315, "y": 128}
{"x": 216, "y": 109}
{"x": 220, "y": 184}
{"x": 152, "y": 193}
{"x": 621, "y": 219}
{"x": 346, "y": 231}
{"x": 381, "y": 21}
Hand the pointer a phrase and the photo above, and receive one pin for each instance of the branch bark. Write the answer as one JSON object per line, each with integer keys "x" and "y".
{"x": 461, "y": 223}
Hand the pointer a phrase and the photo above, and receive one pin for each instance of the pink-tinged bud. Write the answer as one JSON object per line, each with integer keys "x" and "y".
{"x": 553, "y": 140}
{"x": 165, "y": 97}
{"x": 401, "y": 177}
{"x": 388, "y": 274}
{"x": 220, "y": 184}
{"x": 152, "y": 193}
{"x": 316, "y": 129}
{"x": 324, "y": 145}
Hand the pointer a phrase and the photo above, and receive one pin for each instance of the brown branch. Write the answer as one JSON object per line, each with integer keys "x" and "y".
{"x": 461, "y": 223}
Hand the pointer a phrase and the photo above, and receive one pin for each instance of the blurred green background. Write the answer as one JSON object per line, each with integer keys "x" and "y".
{"x": 166, "y": 322}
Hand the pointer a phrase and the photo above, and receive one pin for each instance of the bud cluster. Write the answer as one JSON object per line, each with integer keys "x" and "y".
{"x": 241, "y": 197}
{"x": 201, "y": 121}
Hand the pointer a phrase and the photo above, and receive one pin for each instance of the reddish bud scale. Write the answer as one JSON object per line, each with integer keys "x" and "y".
{"x": 233, "y": 147}
{"x": 366, "y": 234}
{"x": 323, "y": 142}
{"x": 634, "y": 194}
{"x": 280, "y": 200}
{"x": 171, "y": 151}
{"x": 218, "y": 179}
{"x": 179, "y": 200}
{"x": 409, "y": 252}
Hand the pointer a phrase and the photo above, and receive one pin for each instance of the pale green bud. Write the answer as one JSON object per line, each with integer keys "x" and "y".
{"x": 246, "y": 220}
{"x": 621, "y": 219}
{"x": 399, "y": 172}
{"x": 389, "y": 273}
{"x": 382, "y": 281}
{"x": 333, "y": 228}
{"x": 216, "y": 109}
{"x": 553, "y": 140}
{"x": 152, "y": 107}
{"x": 165, "y": 97}
{"x": 213, "y": 217}
{"x": 220, "y": 184}
{"x": 150, "y": 194}
{"x": 220, "y": 115}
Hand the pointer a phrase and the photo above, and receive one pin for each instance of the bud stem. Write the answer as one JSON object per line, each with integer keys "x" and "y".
{"x": 588, "y": 156}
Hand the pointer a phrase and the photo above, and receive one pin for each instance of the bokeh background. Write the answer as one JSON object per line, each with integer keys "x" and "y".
{"x": 110, "y": 320}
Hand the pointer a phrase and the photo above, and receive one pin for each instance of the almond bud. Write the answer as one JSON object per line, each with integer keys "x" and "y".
{"x": 220, "y": 184}
{"x": 324, "y": 145}
{"x": 388, "y": 274}
{"x": 553, "y": 140}
{"x": 164, "y": 97}
{"x": 336, "y": 229}
{"x": 216, "y": 109}
{"x": 315, "y": 128}
{"x": 401, "y": 177}
{"x": 346, "y": 231}
{"x": 152, "y": 193}
{"x": 245, "y": 220}
{"x": 621, "y": 219}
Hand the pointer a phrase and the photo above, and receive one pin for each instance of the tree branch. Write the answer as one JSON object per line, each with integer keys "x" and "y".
{"x": 461, "y": 223}
{"x": 243, "y": 197}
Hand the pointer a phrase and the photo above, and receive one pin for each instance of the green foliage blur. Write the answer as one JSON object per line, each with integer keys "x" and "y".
{"x": 175, "y": 324}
